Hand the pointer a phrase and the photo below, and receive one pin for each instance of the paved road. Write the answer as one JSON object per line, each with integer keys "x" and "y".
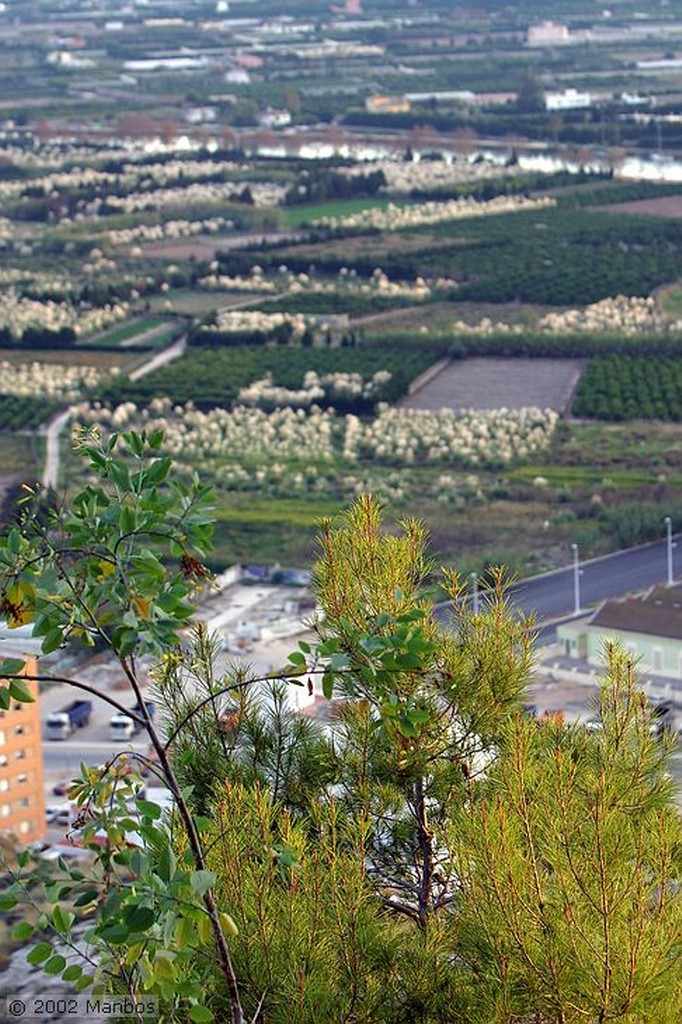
{"x": 166, "y": 355}
{"x": 53, "y": 433}
{"x": 551, "y": 595}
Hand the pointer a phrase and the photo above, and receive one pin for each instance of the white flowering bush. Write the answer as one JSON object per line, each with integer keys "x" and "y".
{"x": 395, "y": 218}
{"x": 622, "y": 314}
{"x": 251, "y": 446}
{"x": 490, "y": 438}
{"x": 170, "y": 229}
{"x": 346, "y": 282}
{"x": 424, "y": 175}
{"x": 18, "y": 312}
{"x": 49, "y": 380}
{"x": 326, "y": 388}
{"x": 238, "y": 321}
{"x": 626, "y": 315}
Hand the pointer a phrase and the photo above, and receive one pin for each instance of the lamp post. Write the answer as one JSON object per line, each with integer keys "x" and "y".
{"x": 474, "y": 592}
{"x": 576, "y": 579}
{"x": 669, "y": 548}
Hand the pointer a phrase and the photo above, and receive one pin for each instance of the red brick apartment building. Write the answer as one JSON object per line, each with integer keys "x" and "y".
{"x": 22, "y": 793}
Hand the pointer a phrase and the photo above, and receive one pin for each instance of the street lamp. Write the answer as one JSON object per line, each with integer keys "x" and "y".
{"x": 474, "y": 592}
{"x": 576, "y": 579}
{"x": 669, "y": 548}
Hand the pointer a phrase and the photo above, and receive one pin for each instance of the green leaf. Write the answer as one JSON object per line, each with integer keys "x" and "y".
{"x": 406, "y": 727}
{"x": 39, "y": 953}
{"x": 52, "y": 640}
{"x": 125, "y": 641}
{"x": 89, "y": 896}
{"x": 200, "y": 1014}
{"x": 11, "y": 666}
{"x": 201, "y": 881}
{"x": 138, "y": 919}
{"x": 149, "y": 809}
{"x": 328, "y": 685}
{"x": 297, "y": 658}
{"x": 419, "y": 716}
{"x": 55, "y": 965}
{"x": 19, "y": 691}
{"x": 5, "y": 699}
{"x": 115, "y": 934}
{"x": 164, "y": 969}
{"x": 24, "y": 930}
{"x": 7, "y": 901}
{"x": 62, "y": 919}
{"x": 72, "y": 973}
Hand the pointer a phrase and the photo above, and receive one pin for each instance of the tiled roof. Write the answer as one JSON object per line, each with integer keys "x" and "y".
{"x": 657, "y": 613}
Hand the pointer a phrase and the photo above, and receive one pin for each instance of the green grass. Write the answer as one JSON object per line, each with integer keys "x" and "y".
{"x": 292, "y": 216}
{"x": 128, "y": 330}
{"x": 582, "y": 476}
{"x": 268, "y": 531}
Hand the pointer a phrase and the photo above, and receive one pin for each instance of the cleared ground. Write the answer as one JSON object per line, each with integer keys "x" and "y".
{"x": 495, "y": 383}
{"x": 662, "y": 206}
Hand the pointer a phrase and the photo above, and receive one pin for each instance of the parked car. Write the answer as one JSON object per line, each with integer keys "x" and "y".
{"x": 59, "y": 815}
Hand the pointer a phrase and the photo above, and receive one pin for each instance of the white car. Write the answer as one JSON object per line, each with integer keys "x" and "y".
{"x": 59, "y": 815}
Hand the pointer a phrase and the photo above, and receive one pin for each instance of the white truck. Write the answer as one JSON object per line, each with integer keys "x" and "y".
{"x": 122, "y": 727}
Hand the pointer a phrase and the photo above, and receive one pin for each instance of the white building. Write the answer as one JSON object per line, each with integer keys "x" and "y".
{"x": 548, "y": 33}
{"x": 569, "y": 99}
{"x": 272, "y": 118}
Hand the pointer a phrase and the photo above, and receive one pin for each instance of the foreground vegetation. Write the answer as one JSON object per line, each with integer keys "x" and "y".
{"x": 441, "y": 858}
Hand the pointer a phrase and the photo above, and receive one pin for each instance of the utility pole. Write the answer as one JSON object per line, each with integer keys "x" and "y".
{"x": 576, "y": 579}
{"x": 669, "y": 549}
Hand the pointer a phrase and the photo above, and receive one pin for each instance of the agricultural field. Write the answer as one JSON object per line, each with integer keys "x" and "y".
{"x": 627, "y": 388}
{"x": 341, "y": 303}
{"x": 21, "y": 413}
{"x": 495, "y": 383}
{"x": 214, "y": 376}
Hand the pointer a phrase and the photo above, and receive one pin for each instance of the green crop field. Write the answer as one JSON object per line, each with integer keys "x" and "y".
{"x": 627, "y": 388}
{"x": 213, "y": 376}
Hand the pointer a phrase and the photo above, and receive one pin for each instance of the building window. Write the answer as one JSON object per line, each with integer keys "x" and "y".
{"x": 24, "y": 802}
{"x": 3, "y": 760}
{"x": 17, "y": 706}
{"x": 22, "y": 778}
{"x": 4, "y": 810}
{"x": 4, "y": 785}
{"x": 2, "y": 737}
{"x": 20, "y": 754}
{"x": 657, "y": 659}
{"x": 24, "y": 827}
{"x": 19, "y": 730}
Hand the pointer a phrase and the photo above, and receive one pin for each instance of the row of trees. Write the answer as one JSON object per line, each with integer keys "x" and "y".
{"x": 435, "y": 856}
{"x": 627, "y": 388}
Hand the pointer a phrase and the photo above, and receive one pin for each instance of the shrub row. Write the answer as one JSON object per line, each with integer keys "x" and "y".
{"x": 626, "y": 388}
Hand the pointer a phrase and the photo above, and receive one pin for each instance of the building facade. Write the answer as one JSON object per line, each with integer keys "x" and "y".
{"x": 22, "y": 792}
{"x": 649, "y": 628}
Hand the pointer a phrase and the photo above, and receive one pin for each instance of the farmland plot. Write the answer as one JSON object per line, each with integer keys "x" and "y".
{"x": 495, "y": 383}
